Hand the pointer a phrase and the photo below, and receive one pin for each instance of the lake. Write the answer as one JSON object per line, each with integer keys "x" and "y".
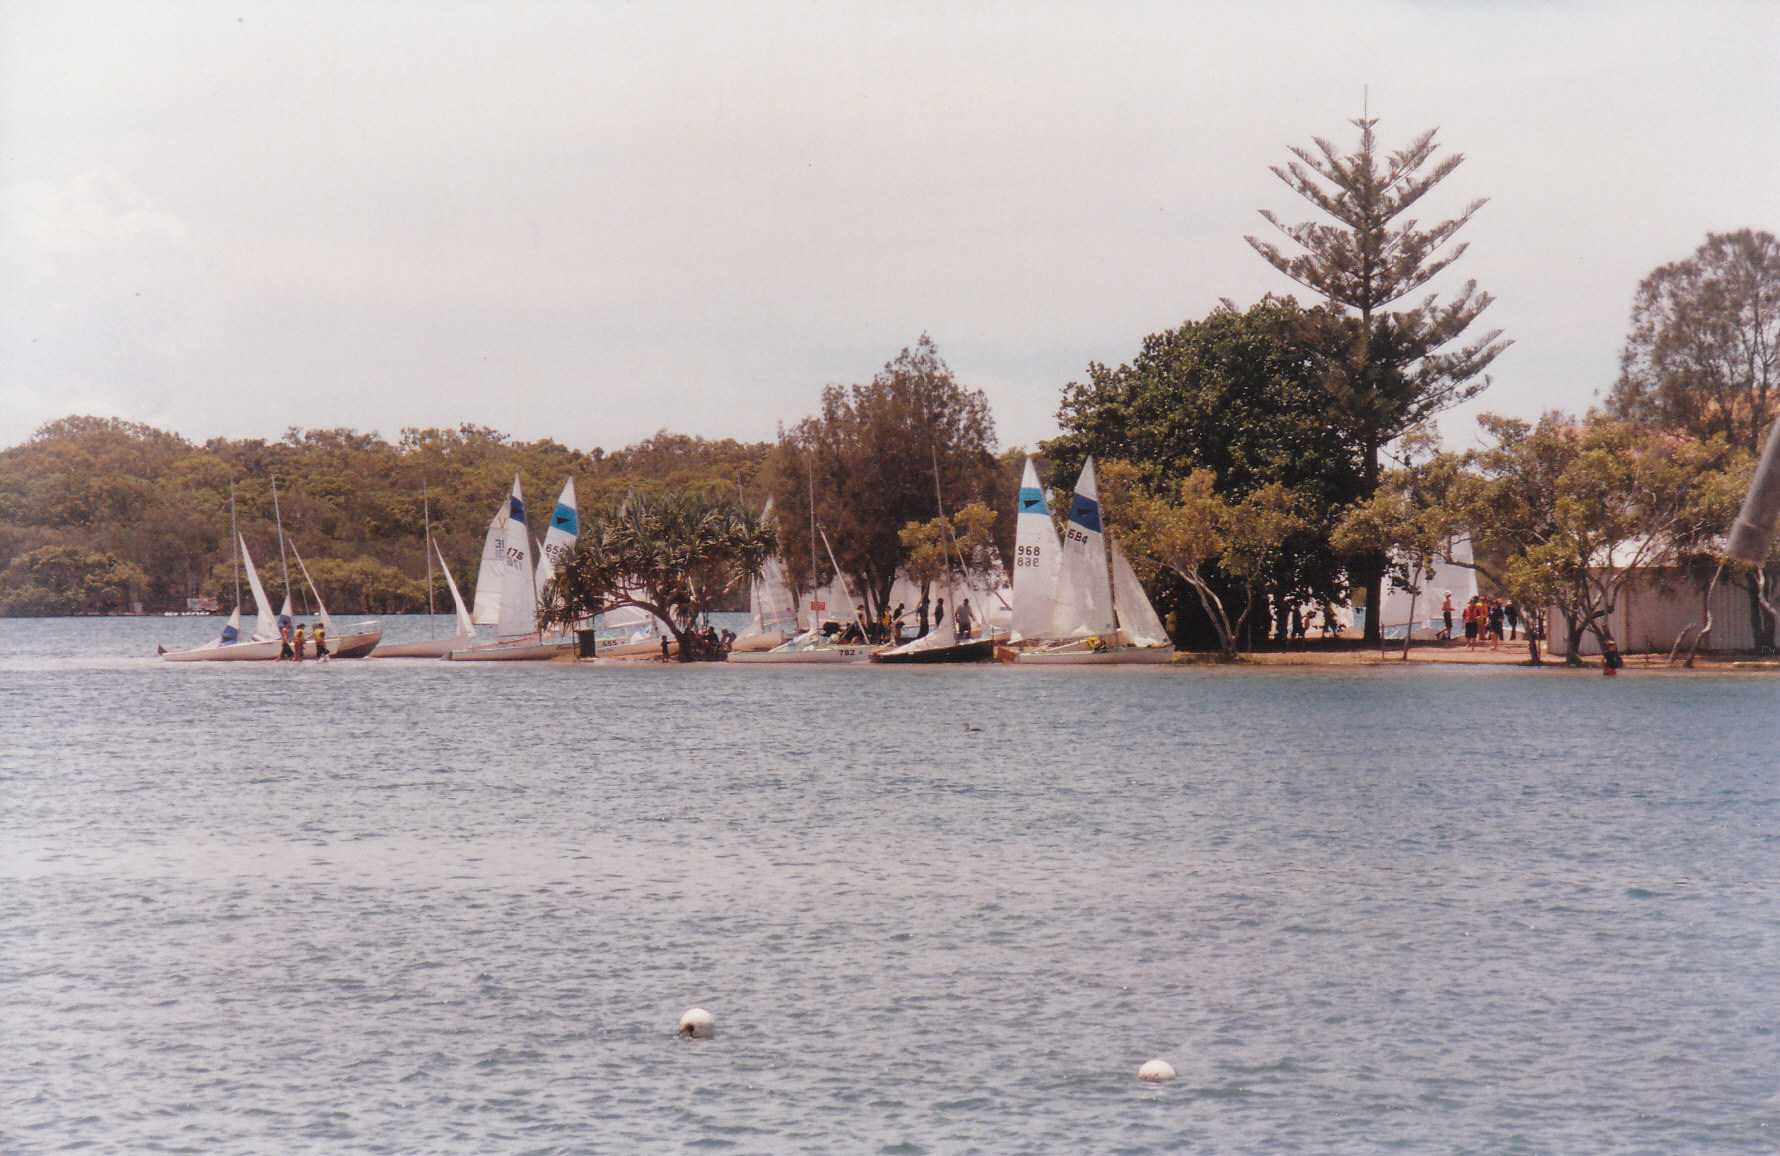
{"x": 412, "y": 906}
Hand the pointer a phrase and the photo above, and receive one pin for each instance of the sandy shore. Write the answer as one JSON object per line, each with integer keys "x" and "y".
{"x": 1508, "y": 654}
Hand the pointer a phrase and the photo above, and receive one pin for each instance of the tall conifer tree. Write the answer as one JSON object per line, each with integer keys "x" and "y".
{"x": 1397, "y": 371}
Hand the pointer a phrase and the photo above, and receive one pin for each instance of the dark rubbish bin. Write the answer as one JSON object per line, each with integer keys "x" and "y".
{"x": 584, "y": 644}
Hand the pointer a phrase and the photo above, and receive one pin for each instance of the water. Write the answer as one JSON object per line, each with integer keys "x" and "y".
{"x": 437, "y": 907}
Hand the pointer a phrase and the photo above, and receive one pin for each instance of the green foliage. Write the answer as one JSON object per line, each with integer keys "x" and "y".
{"x": 1194, "y": 528}
{"x": 1244, "y": 397}
{"x": 872, "y": 454}
{"x": 672, "y": 554}
{"x": 351, "y": 502}
{"x": 1703, "y": 355}
{"x": 1577, "y": 509}
{"x": 67, "y": 580}
{"x": 1397, "y": 370}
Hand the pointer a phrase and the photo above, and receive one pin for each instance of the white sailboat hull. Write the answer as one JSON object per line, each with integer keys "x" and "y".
{"x": 424, "y": 648}
{"x": 1086, "y": 656}
{"x": 214, "y": 652}
{"x": 814, "y": 654}
{"x": 641, "y": 648}
{"x": 765, "y": 640}
{"x": 511, "y": 652}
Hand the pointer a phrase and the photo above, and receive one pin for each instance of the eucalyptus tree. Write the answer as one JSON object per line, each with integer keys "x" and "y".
{"x": 870, "y": 460}
{"x": 1703, "y": 359}
{"x": 1400, "y": 365}
{"x": 672, "y": 554}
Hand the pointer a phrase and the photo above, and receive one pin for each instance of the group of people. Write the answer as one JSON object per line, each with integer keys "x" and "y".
{"x": 893, "y": 624}
{"x": 291, "y": 641}
{"x": 1484, "y": 620}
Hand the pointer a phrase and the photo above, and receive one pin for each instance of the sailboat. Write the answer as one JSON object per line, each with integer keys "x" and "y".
{"x": 1037, "y": 555}
{"x": 263, "y": 645}
{"x": 1100, "y": 614}
{"x": 772, "y": 606}
{"x": 821, "y": 642}
{"x": 433, "y": 647}
{"x": 941, "y": 643}
{"x": 517, "y": 637}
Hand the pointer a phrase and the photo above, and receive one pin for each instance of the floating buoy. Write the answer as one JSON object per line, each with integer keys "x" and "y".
{"x": 1155, "y": 1072}
{"x": 697, "y": 1024}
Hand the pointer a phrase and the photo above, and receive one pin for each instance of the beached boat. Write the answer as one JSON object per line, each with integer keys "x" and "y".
{"x": 515, "y": 598}
{"x": 772, "y": 606}
{"x": 263, "y": 645}
{"x": 812, "y": 646}
{"x": 434, "y": 647}
{"x": 1101, "y": 615}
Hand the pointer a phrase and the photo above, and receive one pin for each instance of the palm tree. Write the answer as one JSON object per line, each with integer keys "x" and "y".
{"x": 672, "y": 554}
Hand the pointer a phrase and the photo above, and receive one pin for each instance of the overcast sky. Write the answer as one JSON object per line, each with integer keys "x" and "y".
{"x": 592, "y": 221}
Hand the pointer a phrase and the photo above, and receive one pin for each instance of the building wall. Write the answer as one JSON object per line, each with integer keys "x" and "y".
{"x": 1657, "y": 606}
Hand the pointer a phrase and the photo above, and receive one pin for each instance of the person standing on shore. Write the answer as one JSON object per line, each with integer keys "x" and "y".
{"x": 1495, "y": 623}
{"x": 1446, "y": 615}
{"x": 964, "y": 620}
{"x": 321, "y": 643}
{"x": 297, "y": 641}
{"x": 1470, "y": 617}
{"x": 1511, "y": 612}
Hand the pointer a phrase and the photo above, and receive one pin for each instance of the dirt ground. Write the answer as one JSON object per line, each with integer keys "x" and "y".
{"x": 1507, "y": 654}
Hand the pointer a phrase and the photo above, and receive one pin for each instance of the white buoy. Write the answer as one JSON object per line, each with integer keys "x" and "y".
{"x": 1156, "y": 1072}
{"x": 697, "y": 1024}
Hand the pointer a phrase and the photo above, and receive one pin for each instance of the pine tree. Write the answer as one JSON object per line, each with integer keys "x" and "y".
{"x": 1398, "y": 371}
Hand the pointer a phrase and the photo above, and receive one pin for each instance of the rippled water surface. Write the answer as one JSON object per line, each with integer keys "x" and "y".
{"x": 433, "y": 907}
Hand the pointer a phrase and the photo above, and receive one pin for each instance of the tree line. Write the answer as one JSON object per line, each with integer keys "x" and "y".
{"x": 1255, "y": 460}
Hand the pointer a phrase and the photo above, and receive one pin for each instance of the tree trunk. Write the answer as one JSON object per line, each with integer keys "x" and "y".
{"x": 1372, "y": 565}
{"x": 1573, "y": 631}
{"x": 1761, "y": 623}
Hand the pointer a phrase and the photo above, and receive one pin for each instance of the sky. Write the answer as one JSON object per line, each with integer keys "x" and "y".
{"x": 593, "y": 221}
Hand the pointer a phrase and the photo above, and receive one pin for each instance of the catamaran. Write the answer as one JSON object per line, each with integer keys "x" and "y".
{"x": 514, "y": 597}
{"x": 1100, "y": 615}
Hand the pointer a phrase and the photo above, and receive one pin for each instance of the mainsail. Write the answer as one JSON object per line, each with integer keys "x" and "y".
{"x": 519, "y": 595}
{"x": 487, "y": 610}
{"x": 565, "y": 528}
{"x": 772, "y": 606}
{"x": 1084, "y": 593}
{"x": 1036, "y": 559}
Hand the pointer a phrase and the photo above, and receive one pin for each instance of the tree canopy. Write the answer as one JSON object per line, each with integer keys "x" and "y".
{"x": 871, "y": 457}
{"x": 1399, "y": 367}
{"x": 352, "y": 502}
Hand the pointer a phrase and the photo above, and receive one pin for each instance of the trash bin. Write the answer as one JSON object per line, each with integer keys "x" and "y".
{"x": 584, "y": 644}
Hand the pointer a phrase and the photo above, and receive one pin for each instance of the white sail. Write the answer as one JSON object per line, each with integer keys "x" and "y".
{"x": 519, "y": 595}
{"x": 465, "y": 628}
{"x": 559, "y": 539}
{"x": 487, "y": 601}
{"x": 1137, "y": 618}
{"x": 772, "y": 604}
{"x": 265, "y": 627}
{"x": 1037, "y": 555}
{"x": 231, "y": 633}
{"x": 1084, "y": 592}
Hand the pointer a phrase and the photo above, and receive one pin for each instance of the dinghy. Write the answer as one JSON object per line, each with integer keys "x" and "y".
{"x": 1101, "y": 616}
{"x": 821, "y": 643}
{"x": 264, "y": 645}
{"x": 772, "y": 606}
{"x": 517, "y": 637}
{"x": 434, "y": 647}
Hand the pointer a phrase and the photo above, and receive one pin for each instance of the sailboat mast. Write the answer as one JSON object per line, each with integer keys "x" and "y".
{"x": 813, "y": 587}
{"x": 1112, "y": 597}
{"x": 234, "y": 542}
{"x": 283, "y": 566}
{"x": 426, "y": 516}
